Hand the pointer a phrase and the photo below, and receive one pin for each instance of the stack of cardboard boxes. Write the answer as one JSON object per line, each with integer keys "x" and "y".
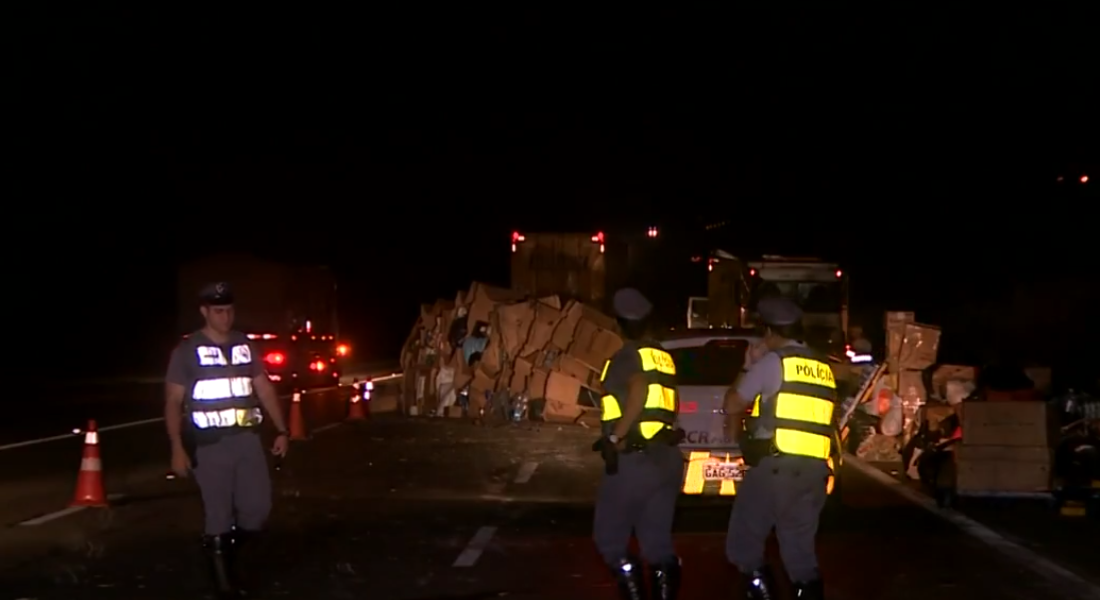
{"x": 911, "y": 348}
{"x": 546, "y": 350}
{"x": 1006, "y": 448}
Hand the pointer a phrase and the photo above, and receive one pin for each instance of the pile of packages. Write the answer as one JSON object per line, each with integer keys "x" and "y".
{"x": 493, "y": 350}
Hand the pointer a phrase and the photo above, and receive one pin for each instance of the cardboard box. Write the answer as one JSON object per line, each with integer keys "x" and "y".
{"x": 514, "y": 321}
{"x": 521, "y": 372}
{"x": 920, "y": 348}
{"x": 556, "y": 411}
{"x": 562, "y": 388}
{"x": 576, "y": 369}
{"x": 895, "y": 333}
{"x": 1007, "y": 424}
{"x": 1005, "y": 469}
{"x": 482, "y": 299}
{"x": 594, "y": 345}
{"x": 536, "y": 384}
{"x": 542, "y": 329}
{"x": 945, "y": 373}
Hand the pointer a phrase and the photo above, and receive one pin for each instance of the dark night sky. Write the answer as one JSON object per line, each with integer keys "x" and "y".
{"x": 402, "y": 149}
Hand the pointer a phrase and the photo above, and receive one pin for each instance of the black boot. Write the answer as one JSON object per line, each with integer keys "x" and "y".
{"x": 238, "y": 538}
{"x": 809, "y": 590}
{"x": 665, "y": 580}
{"x": 218, "y": 548}
{"x": 631, "y": 580}
{"x": 760, "y": 585}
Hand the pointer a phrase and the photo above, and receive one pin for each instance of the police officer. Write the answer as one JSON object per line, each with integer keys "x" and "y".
{"x": 644, "y": 467}
{"x": 216, "y": 385}
{"x": 788, "y": 441}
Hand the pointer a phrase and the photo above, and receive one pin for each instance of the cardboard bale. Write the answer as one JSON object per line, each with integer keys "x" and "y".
{"x": 514, "y": 321}
{"x": 1041, "y": 377}
{"x": 946, "y": 373}
{"x": 481, "y": 386}
{"x": 521, "y": 372}
{"x": 492, "y": 358}
{"x": 572, "y": 315}
{"x": 920, "y": 348}
{"x": 556, "y": 411}
{"x": 1007, "y": 423}
{"x": 554, "y": 301}
{"x": 536, "y": 384}
{"x": 569, "y": 365}
{"x": 594, "y": 345}
{"x": 1003, "y": 469}
{"x": 562, "y": 388}
{"x": 895, "y": 334}
{"x": 542, "y": 329}
{"x": 483, "y": 298}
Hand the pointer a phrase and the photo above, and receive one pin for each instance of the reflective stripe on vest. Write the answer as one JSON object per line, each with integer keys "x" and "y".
{"x": 228, "y": 417}
{"x": 222, "y": 388}
{"x": 660, "y": 402}
{"x": 804, "y": 405}
{"x": 223, "y": 382}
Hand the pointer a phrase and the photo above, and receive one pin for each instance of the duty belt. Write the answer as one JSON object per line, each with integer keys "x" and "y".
{"x": 228, "y": 417}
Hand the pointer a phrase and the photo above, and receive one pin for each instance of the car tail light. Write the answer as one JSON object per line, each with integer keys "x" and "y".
{"x": 275, "y": 358}
{"x": 343, "y": 350}
{"x": 317, "y": 365}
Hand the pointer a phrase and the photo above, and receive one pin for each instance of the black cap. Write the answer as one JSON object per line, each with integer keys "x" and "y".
{"x": 216, "y": 294}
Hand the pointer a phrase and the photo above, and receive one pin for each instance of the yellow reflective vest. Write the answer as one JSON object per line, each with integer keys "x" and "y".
{"x": 661, "y": 402}
{"x": 803, "y": 416}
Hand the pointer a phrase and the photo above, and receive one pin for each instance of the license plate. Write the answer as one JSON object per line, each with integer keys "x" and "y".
{"x": 722, "y": 471}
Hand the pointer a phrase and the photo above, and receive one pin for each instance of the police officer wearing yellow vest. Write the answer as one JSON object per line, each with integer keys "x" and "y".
{"x": 215, "y": 387}
{"x": 787, "y": 443}
{"x": 644, "y": 467}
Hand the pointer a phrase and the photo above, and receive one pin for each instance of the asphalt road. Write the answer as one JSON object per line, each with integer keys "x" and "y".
{"x": 419, "y": 509}
{"x": 53, "y": 409}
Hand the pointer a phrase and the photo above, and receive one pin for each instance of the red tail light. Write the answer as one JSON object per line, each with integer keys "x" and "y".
{"x": 317, "y": 365}
{"x": 343, "y": 349}
{"x": 275, "y": 358}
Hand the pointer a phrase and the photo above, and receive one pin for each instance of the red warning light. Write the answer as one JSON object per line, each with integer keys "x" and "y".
{"x": 275, "y": 358}
{"x": 752, "y": 272}
{"x": 839, "y": 273}
{"x": 598, "y": 238}
{"x": 518, "y": 237}
{"x": 1084, "y": 179}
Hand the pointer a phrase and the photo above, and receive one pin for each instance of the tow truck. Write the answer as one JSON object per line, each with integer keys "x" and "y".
{"x": 735, "y": 286}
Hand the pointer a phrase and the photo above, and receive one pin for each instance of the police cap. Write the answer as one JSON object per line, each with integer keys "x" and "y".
{"x": 631, "y": 305}
{"x": 216, "y": 294}
{"x": 779, "y": 311}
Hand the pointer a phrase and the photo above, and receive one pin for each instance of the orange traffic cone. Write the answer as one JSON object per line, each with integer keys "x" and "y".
{"x": 355, "y": 410}
{"x": 297, "y": 426}
{"x": 89, "y": 483}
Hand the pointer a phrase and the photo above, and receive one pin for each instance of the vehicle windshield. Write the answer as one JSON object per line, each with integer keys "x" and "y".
{"x": 812, "y": 296}
{"x": 716, "y": 363}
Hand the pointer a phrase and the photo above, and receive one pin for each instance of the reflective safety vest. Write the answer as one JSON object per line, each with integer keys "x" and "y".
{"x": 661, "y": 399}
{"x": 222, "y": 395}
{"x": 803, "y": 415}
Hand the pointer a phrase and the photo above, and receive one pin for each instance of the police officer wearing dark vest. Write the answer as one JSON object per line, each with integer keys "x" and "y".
{"x": 786, "y": 443}
{"x": 643, "y": 466}
{"x": 216, "y": 385}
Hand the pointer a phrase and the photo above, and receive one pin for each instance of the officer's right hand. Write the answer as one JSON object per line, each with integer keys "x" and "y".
{"x": 181, "y": 463}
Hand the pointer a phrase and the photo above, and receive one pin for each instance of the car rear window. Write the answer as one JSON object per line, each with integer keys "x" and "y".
{"x": 716, "y": 363}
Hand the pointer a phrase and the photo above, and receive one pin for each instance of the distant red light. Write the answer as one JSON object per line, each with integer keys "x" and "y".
{"x": 1084, "y": 179}
{"x": 839, "y": 272}
{"x": 275, "y": 358}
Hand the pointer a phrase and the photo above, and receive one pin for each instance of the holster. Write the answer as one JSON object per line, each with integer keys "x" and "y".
{"x": 754, "y": 451}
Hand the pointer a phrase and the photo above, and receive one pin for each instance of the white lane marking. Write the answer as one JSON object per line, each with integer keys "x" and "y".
{"x": 477, "y": 545}
{"x": 77, "y": 432}
{"x": 1074, "y": 586}
{"x": 64, "y": 512}
{"x": 526, "y": 471}
{"x": 327, "y": 427}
